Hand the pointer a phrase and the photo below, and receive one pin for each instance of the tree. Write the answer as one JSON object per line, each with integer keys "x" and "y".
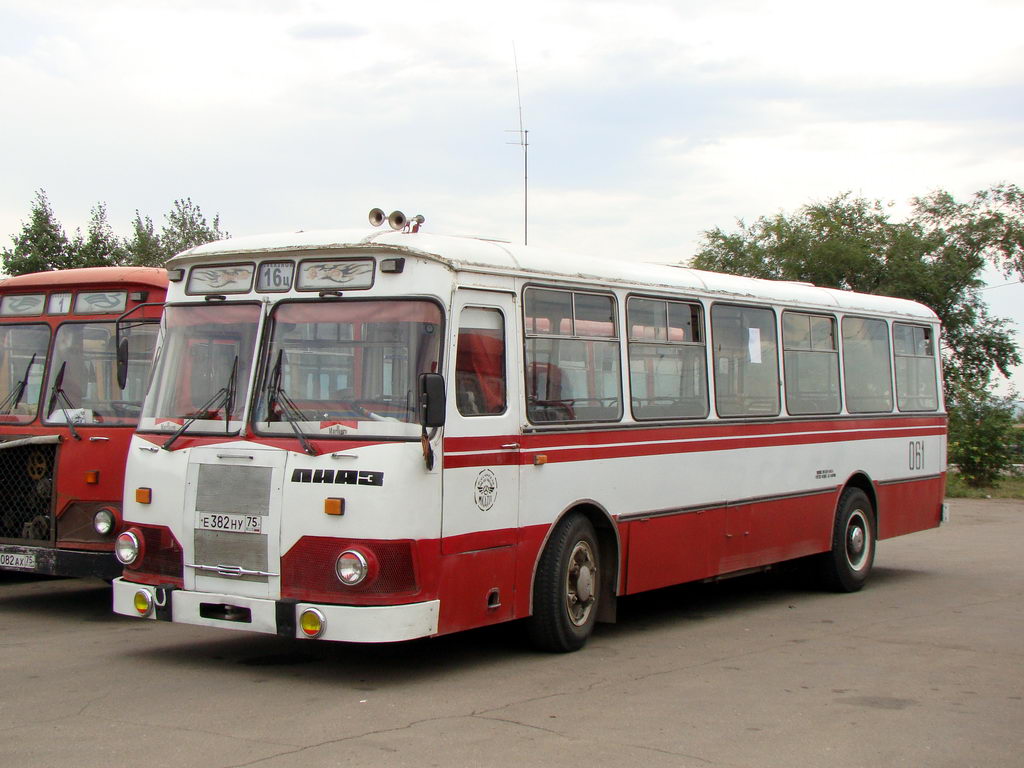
{"x": 144, "y": 246}
{"x": 100, "y": 247}
{"x": 186, "y": 228}
{"x": 41, "y": 245}
{"x": 935, "y": 257}
{"x": 982, "y": 439}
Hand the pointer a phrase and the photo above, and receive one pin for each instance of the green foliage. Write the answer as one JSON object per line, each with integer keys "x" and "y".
{"x": 42, "y": 245}
{"x": 982, "y": 436}
{"x": 186, "y": 228}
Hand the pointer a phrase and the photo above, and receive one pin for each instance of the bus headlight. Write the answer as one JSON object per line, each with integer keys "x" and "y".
{"x": 103, "y": 521}
{"x": 351, "y": 567}
{"x": 128, "y": 547}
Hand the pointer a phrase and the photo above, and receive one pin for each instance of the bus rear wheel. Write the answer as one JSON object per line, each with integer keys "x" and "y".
{"x": 846, "y": 567}
{"x": 566, "y": 589}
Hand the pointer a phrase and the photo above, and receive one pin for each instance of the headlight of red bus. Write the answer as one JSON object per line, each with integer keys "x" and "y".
{"x": 128, "y": 547}
{"x": 104, "y": 520}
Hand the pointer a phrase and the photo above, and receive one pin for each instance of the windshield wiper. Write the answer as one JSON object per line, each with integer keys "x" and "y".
{"x": 12, "y": 400}
{"x": 225, "y": 396}
{"x": 57, "y": 393}
{"x": 278, "y": 400}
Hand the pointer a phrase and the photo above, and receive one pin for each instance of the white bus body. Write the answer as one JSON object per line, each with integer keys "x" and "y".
{"x": 610, "y": 428}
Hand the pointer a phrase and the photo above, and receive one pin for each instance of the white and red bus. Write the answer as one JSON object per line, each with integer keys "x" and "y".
{"x": 376, "y": 436}
{"x": 65, "y": 423}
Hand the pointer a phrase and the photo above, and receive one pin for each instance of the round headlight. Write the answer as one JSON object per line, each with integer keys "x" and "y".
{"x": 143, "y": 602}
{"x": 127, "y": 547}
{"x": 351, "y": 567}
{"x": 103, "y": 521}
{"x": 312, "y": 623}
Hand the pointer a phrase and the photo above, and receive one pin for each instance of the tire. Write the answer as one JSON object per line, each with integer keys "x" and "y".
{"x": 846, "y": 567}
{"x": 566, "y": 589}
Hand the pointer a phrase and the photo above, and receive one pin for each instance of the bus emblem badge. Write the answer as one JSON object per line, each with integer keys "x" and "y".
{"x": 485, "y": 490}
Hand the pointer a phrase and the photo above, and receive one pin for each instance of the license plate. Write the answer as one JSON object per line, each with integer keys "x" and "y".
{"x": 230, "y": 523}
{"x": 18, "y": 560}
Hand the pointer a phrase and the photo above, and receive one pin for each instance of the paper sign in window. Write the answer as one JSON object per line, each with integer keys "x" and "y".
{"x": 754, "y": 344}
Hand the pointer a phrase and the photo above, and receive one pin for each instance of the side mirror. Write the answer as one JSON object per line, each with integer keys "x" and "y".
{"x": 122, "y": 362}
{"x": 432, "y": 403}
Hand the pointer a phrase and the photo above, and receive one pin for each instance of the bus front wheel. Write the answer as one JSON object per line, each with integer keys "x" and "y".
{"x": 845, "y": 568}
{"x": 566, "y": 589}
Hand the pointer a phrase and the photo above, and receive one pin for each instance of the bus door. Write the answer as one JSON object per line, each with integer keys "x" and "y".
{"x": 482, "y": 444}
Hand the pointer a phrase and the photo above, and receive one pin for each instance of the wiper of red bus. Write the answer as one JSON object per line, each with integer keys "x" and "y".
{"x": 225, "y": 396}
{"x": 57, "y": 393}
{"x": 278, "y": 400}
{"x": 12, "y": 400}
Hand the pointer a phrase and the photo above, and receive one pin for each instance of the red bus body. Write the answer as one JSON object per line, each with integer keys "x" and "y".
{"x": 65, "y": 425}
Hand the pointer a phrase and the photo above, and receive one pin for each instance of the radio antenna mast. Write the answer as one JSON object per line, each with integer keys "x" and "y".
{"x": 525, "y": 144}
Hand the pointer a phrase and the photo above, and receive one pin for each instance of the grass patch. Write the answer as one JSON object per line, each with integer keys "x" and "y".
{"x": 1010, "y": 487}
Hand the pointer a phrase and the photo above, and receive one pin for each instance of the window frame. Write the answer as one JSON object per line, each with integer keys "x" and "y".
{"x": 529, "y": 335}
{"x": 701, "y": 325}
{"x": 835, "y": 351}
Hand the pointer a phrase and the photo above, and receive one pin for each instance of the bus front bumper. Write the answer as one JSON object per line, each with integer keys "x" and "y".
{"x": 345, "y": 623}
{"x": 59, "y": 562}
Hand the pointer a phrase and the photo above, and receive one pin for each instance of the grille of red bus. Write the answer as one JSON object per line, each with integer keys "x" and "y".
{"x": 307, "y": 570}
{"x": 26, "y": 492}
{"x": 161, "y": 557}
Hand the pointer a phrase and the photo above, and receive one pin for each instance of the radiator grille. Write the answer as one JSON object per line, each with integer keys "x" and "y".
{"x": 224, "y": 489}
{"x": 26, "y": 492}
{"x": 240, "y": 490}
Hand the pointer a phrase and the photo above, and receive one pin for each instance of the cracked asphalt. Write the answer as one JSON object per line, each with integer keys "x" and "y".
{"x": 924, "y": 667}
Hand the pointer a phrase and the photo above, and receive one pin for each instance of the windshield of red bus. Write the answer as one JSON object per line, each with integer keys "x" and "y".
{"x": 22, "y": 362}
{"x": 82, "y": 387}
{"x": 201, "y": 374}
{"x": 341, "y": 368}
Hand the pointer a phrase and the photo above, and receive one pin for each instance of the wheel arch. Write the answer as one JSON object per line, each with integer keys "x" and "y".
{"x": 608, "y": 542}
{"x": 861, "y": 480}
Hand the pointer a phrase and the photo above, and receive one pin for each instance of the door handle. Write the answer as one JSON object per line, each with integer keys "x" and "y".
{"x": 510, "y": 446}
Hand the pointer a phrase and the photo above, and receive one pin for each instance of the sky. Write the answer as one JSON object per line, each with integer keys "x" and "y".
{"x": 649, "y": 121}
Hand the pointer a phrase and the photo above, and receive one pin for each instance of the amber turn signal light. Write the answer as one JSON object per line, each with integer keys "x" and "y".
{"x": 143, "y": 495}
{"x": 334, "y": 506}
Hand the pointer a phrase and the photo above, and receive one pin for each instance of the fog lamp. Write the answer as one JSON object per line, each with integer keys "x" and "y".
{"x": 143, "y": 602}
{"x": 312, "y": 623}
{"x": 351, "y": 567}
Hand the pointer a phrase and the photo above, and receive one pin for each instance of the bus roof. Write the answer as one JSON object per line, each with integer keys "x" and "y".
{"x": 155, "y": 277}
{"x": 482, "y": 255}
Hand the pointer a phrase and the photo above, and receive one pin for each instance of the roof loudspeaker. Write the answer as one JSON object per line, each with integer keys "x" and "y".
{"x": 377, "y": 217}
{"x": 397, "y": 220}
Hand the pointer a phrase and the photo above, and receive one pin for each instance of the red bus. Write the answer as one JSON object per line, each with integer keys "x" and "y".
{"x": 65, "y": 424}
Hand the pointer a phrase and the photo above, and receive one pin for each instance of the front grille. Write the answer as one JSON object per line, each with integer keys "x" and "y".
{"x": 26, "y": 491}
{"x": 224, "y": 489}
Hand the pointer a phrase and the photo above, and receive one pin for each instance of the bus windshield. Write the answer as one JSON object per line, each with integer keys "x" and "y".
{"x": 202, "y": 369}
{"x": 82, "y": 386}
{"x": 22, "y": 362}
{"x": 347, "y": 367}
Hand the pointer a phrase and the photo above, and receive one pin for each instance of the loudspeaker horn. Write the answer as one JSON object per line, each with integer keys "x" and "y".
{"x": 377, "y": 217}
{"x": 397, "y": 220}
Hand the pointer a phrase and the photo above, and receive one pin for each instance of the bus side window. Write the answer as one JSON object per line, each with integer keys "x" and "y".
{"x": 480, "y": 363}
